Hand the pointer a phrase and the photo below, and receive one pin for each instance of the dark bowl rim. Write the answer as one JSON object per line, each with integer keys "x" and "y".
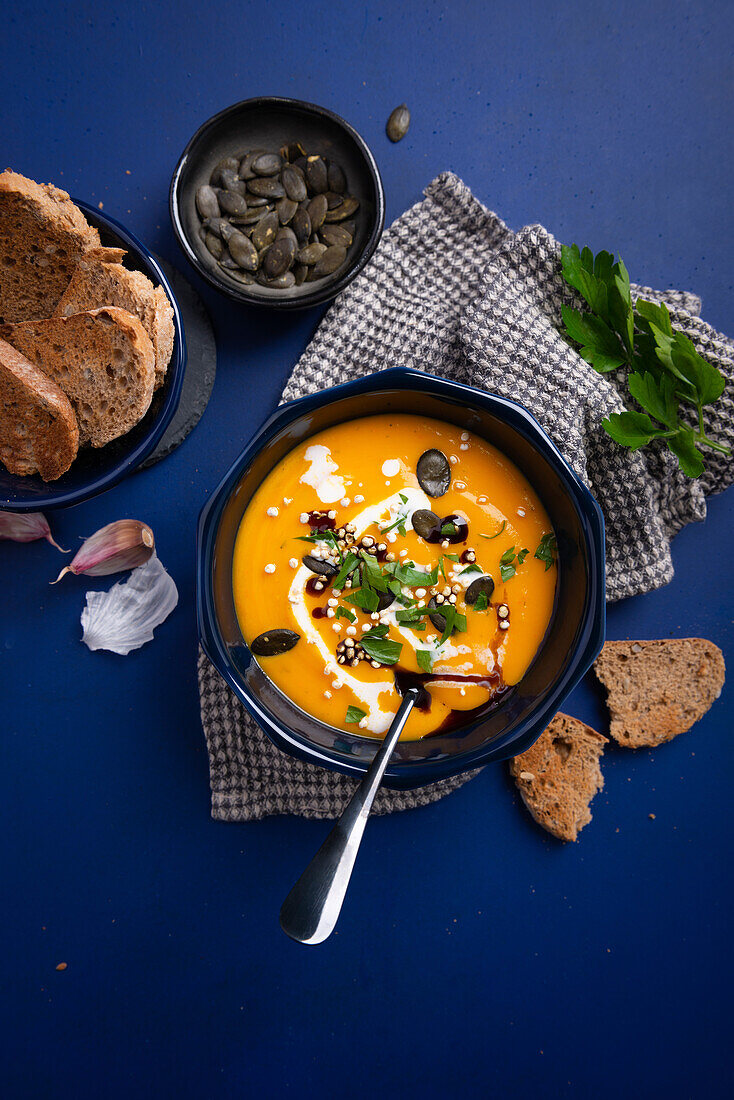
{"x": 320, "y": 295}
{"x": 588, "y": 646}
{"x": 176, "y": 369}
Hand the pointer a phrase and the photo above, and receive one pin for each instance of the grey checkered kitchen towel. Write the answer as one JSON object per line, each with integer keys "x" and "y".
{"x": 452, "y": 291}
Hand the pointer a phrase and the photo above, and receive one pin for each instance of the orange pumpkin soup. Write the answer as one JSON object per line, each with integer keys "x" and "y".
{"x": 393, "y": 550}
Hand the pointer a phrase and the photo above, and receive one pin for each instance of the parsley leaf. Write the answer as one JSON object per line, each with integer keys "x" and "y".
{"x": 344, "y": 613}
{"x": 497, "y": 533}
{"x": 355, "y": 714}
{"x": 350, "y": 563}
{"x": 415, "y": 578}
{"x": 470, "y": 569}
{"x": 509, "y": 558}
{"x": 547, "y": 549}
{"x": 481, "y": 603}
{"x": 424, "y": 658}
{"x": 364, "y": 598}
{"x": 383, "y": 650}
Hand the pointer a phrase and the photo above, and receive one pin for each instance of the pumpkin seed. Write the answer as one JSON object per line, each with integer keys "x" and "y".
{"x": 287, "y": 234}
{"x": 266, "y": 187}
{"x": 398, "y": 123}
{"x": 317, "y": 211}
{"x": 335, "y": 234}
{"x": 264, "y": 232}
{"x": 425, "y": 523}
{"x": 257, "y": 202}
{"x": 333, "y": 200}
{"x": 216, "y": 225}
{"x": 336, "y": 178}
{"x": 311, "y": 254}
{"x": 227, "y": 261}
{"x": 273, "y": 642}
{"x": 332, "y": 258}
{"x": 317, "y": 176}
{"x": 283, "y": 282}
{"x": 481, "y": 585}
{"x": 250, "y": 216}
{"x": 434, "y": 472}
{"x": 301, "y": 225}
{"x": 300, "y": 271}
{"x": 344, "y": 210}
{"x": 438, "y": 620}
{"x": 228, "y": 164}
{"x": 279, "y": 258}
{"x": 294, "y": 183}
{"x": 231, "y": 202}
{"x": 286, "y": 209}
{"x": 243, "y": 251}
{"x": 317, "y": 565}
{"x": 384, "y": 599}
{"x": 206, "y": 202}
{"x": 232, "y": 182}
{"x": 245, "y": 165}
{"x": 214, "y": 245}
{"x": 267, "y": 164}
{"x": 242, "y": 277}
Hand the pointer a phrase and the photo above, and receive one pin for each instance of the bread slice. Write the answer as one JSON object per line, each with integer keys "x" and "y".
{"x": 658, "y": 689}
{"x": 560, "y": 774}
{"x": 42, "y": 235}
{"x": 102, "y": 359}
{"x": 99, "y": 279}
{"x": 38, "y": 428}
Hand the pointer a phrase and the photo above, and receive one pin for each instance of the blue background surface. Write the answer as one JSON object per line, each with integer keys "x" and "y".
{"x": 476, "y": 956}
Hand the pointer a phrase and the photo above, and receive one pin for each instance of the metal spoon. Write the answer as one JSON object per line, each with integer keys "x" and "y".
{"x": 312, "y": 908}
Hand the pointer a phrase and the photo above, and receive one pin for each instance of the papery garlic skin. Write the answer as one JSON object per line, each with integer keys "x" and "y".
{"x": 125, "y": 544}
{"x": 26, "y": 527}
{"x": 124, "y": 618}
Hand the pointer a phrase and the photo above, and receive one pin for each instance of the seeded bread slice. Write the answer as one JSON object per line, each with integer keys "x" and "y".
{"x": 102, "y": 359}
{"x": 658, "y": 689}
{"x": 38, "y": 428}
{"x": 560, "y": 774}
{"x": 42, "y": 235}
{"x": 99, "y": 279}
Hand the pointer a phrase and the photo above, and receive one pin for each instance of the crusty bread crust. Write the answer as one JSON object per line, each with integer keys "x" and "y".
{"x": 38, "y": 429}
{"x": 42, "y": 235}
{"x": 559, "y": 775}
{"x": 658, "y": 689}
{"x": 102, "y": 359}
{"x": 99, "y": 279}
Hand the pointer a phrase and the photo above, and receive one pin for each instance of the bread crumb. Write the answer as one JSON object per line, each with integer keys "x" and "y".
{"x": 100, "y": 205}
{"x": 651, "y": 816}
{"x": 527, "y": 775}
{"x": 61, "y": 966}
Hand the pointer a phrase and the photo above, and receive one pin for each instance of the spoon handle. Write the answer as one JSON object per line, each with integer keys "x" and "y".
{"x": 312, "y": 908}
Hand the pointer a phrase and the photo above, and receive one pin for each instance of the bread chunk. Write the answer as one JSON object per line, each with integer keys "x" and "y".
{"x": 38, "y": 429}
{"x": 42, "y": 235}
{"x": 102, "y": 359}
{"x": 99, "y": 279}
{"x": 658, "y": 689}
{"x": 560, "y": 774}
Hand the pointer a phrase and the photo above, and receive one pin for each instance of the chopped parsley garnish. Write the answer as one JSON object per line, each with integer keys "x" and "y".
{"x": 355, "y": 714}
{"x": 510, "y": 560}
{"x": 415, "y": 578}
{"x": 403, "y": 498}
{"x": 448, "y": 529}
{"x": 481, "y": 603}
{"x": 497, "y": 533}
{"x": 470, "y": 569}
{"x": 547, "y": 549}
{"x": 379, "y": 630}
{"x": 344, "y": 613}
{"x": 364, "y": 598}
{"x": 350, "y": 563}
{"x": 454, "y": 620}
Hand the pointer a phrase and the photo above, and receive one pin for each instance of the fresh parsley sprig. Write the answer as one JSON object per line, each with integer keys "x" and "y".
{"x": 665, "y": 370}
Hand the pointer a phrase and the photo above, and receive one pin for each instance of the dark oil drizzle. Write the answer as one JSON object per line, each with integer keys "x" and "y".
{"x": 459, "y": 534}
{"x": 464, "y": 559}
{"x": 320, "y": 521}
{"x": 492, "y": 681}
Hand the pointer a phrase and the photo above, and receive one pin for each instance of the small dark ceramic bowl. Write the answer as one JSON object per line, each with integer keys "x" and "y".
{"x": 573, "y": 639}
{"x": 269, "y": 122}
{"x": 98, "y": 468}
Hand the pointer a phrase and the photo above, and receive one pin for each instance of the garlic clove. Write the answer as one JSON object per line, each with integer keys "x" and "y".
{"x": 125, "y": 544}
{"x": 26, "y": 527}
{"x": 124, "y": 618}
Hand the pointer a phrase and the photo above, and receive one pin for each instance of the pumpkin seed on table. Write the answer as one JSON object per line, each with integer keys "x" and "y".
{"x": 398, "y": 123}
{"x": 294, "y": 183}
{"x": 207, "y": 203}
{"x": 273, "y": 642}
{"x": 317, "y": 176}
{"x": 264, "y": 232}
{"x": 344, "y": 210}
{"x": 266, "y": 187}
{"x": 317, "y": 211}
{"x": 332, "y": 258}
{"x": 286, "y": 209}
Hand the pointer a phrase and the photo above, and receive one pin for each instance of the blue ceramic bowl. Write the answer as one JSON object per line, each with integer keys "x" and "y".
{"x": 573, "y": 639}
{"x": 97, "y": 469}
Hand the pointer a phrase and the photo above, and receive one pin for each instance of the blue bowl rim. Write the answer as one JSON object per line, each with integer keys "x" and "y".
{"x": 319, "y": 295}
{"x": 167, "y": 411}
{"x": 588, "y": 646}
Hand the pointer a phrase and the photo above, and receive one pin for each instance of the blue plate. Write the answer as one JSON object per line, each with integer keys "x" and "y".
{"x": 575, "y": 634}
{"x": 97, "y": 469}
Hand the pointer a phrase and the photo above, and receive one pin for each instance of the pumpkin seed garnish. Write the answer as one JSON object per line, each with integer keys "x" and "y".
{"x": 434, "y": 472}
{"x": 273, "y": 642}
